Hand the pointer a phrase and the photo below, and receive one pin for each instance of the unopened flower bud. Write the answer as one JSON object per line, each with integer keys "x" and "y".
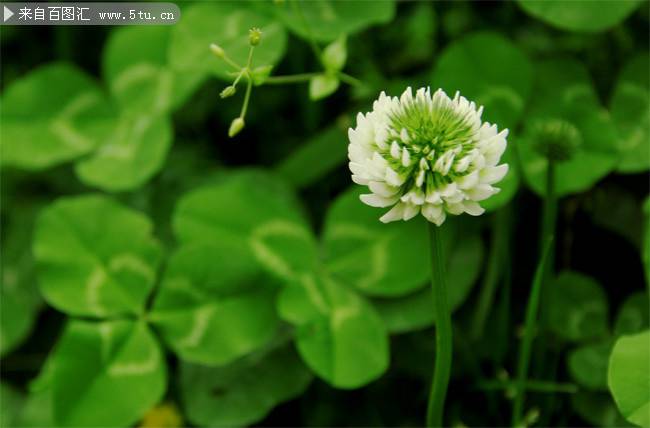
{"x": 228, "y": 91}
{"x": 556, "y": 139}
{"x": 217, "y": 50}
{"x": 254, "y": 36}
{"x": 236, "y": 126}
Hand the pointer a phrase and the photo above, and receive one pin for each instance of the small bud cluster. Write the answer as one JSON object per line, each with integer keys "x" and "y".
{"x": 254, "y": 39}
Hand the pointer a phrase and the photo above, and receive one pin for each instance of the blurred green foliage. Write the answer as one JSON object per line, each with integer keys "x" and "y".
{"x": 147, "y": 258}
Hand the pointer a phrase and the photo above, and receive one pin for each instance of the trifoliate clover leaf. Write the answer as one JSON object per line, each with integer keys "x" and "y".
{"x": 109, "y": 372}
{"x": 95, "y": 257}
{"x": 244, "y": 392}
{"x": 254, "y": 207}
{"x": 338, "y": 334}
{"x": 212, "y": 313}
{"x": 53, "y": 115}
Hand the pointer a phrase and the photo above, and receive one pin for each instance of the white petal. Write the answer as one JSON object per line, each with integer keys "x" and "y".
{"x": 410, "y": 211}
{"x": 494, "y": 174}
{"x": 383, "y": 189}
{"x": 395, "y": 213}
{"x": 357, "y": 168}
{"x": 395, "y": 150}
{"x": 404, "y": 135}
{"x": 393, "y": 178}
{"x": 434, "y": 213}
{"x": 468, "y": 181}
{"x": 360, "y": 180}
{"x": 419, "y": 180}
{"x": 480, "y": 192}
{"x": 455, "y": 208}
{"x": 377, "y": 201}
{"x": 473, "y": 208}
{"x": 406, "y": 157}
{"x": 433, "y": 197}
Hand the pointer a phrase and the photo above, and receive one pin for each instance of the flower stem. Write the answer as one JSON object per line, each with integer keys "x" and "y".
{"x": 249, "y": 83}
{"x": 291, "y": 78}
{"x": 549, "y": 215}
{"x": 529, "y": 334}
{"x": 500, "y": 236}
{"x": 442, "y": 369}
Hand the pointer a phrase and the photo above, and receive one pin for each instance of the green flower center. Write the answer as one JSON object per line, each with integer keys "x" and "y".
{"x": 426, "y": 144}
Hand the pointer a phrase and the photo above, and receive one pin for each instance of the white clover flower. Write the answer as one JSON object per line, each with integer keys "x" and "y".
{"x": 426, "y": 154}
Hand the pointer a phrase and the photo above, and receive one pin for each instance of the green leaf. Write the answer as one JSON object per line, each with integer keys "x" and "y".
{"x": 53, "y": 115}
{"x": 95, "y": 257}
{"x": 244, "y": 392}
{"x": 564, "y": 91}
{"x": 214, "y": 312}
{"x": 633, "y": 317}
{"x": 578, "y": 307}
{"x": 18, "y": 290}
{"x": 322, "y": 86}
{"x": 645, "y": 247}
{"x": 410, "y": 38}
{"x": 338, "y": 333}
{"x": 584, "y": 16}
{"x": 131, "y": 154}
{"x": 629, "y": 377}
{"x": 335, "y": 54}
{"x": 323, "y": 153}
{"x": 598, "y": 409}
{"x": 254, "y": 207}
{"x": 37, "y": 409}
{"x": 106, "y": 373}
{"x": 10, "y": 405}
{"x": 225, "y": 23}
{"x": 327, "y": 20}
{"x": 588, "y": 365}
{"x": 135, "y": 63}
{"x": 630, "y": 107}
{"x": 378, "y": 259}
{"x": 473, "y": 65}
{"x": 414, "y": 311}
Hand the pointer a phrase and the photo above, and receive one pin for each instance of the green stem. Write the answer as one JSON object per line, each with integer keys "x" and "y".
{"x": 249, "y": 83}
{"x": 529, "y": 334}
{"x": 247, "y": 97}
{"x": 350, "y": 80}
{"x": 549, "y": 215}
{"x": 493, "y": 272}
{"x": 292, "y": 78}
{"x": 442, "y": 368}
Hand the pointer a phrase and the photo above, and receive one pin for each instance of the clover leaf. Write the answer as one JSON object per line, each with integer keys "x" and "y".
{"x": 109, "y": 372}
{"x": 95, "y": 257}
{"x": 338, "y": 333}
{"x": 212, "y": 313}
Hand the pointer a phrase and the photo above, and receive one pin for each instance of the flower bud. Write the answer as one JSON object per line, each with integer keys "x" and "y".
{"x": 228, "y": 91}
{"x": 556, "y": 139}
{"x": 236, "y": 126}
{"x": 217, "y": 50}
{"x": 254, "y": 36}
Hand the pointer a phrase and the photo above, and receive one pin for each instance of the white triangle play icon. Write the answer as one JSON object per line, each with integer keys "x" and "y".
{"x": 7, "y": 13}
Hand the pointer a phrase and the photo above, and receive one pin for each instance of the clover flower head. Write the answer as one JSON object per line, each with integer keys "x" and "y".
{"x": 426, "y": 154}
